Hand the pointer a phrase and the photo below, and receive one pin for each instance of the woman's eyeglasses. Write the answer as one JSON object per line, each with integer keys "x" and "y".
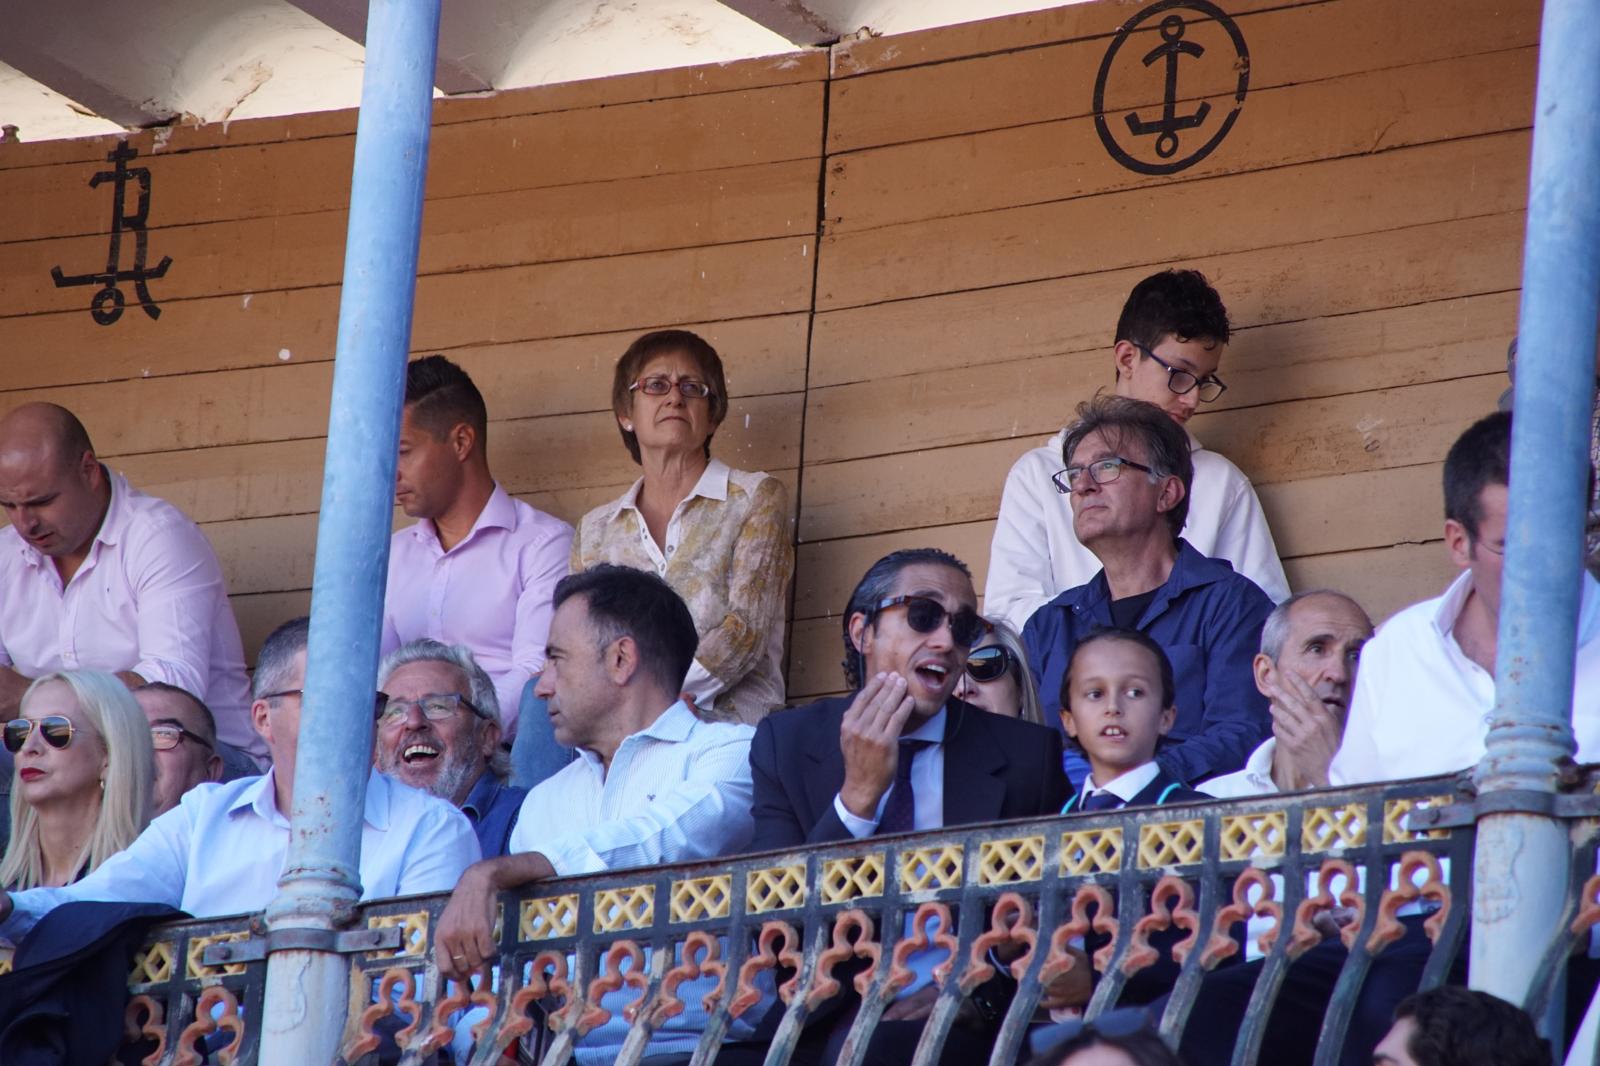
{"x": 990, "y": 663}
{"x": 925, "y": 615}
{"x": 691, "y": 389}
{"x": 55, "y": 728}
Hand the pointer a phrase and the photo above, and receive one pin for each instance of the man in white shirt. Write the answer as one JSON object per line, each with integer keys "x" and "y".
{"x": 1310, "y": 650}
{"x": 222, "y": 849}
{"x": 1425, "y": 695}
{"x": 652, "y": 783}
{"x": 1170, "y": 339}
{"x": 478, "y": 567}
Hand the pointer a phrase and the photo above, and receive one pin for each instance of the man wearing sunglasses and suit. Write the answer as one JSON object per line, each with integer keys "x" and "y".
{"x": 884, "y": 759}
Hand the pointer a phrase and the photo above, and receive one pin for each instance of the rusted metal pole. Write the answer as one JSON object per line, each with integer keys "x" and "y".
{"x": 307, "y": 977}
{"x": 1523, "y": 855}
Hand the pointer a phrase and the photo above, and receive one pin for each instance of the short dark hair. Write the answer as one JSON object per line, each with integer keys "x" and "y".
{"x": 665, "y": 342}
{"x": 1462, "y": 1027}
{"x": 208, "y": 721}
{"x": 277, "y": 655}
{"x": 1179, "y": 302}
{"x": 1169, "y": 688}
{"x": 622, "y": 602}
{"x": 1166, "y": 445}
{"x": 1480, "y": 457}
{"x": 1143, "y": 1046}
{"x": 873, "y": 589}
{"x": 441, "y": 396}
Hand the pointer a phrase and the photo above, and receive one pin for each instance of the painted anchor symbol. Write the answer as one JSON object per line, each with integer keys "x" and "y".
{"x": 1173, "y": 47}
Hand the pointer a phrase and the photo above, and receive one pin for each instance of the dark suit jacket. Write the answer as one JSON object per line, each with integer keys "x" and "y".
{"x": 994, "y": 768}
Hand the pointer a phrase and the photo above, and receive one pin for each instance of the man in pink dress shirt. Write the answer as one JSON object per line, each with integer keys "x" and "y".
{"x": 479, "y": 567}
{"x": 96, "y": 575}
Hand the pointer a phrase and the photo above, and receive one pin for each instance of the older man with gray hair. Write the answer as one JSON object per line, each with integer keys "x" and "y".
{"x": 1310, "y": 648}
{"x": 440, "y": 731}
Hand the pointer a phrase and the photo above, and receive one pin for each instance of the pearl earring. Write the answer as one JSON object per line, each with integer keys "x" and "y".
{"x": 628, "y": 426}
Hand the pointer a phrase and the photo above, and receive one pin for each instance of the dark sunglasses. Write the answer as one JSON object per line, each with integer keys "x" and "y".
{"x": 55, "y": 728}
{"x": 925, "y": 615}
{"x": 991, "y": 663}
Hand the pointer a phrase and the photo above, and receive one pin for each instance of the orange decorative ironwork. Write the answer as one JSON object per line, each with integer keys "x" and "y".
{"x": 152, "y": 1028}
{"x": 1010, "y": 923}
{"x": 204, "y": 1025}
{"x": 1221, "y": 945}
{"x": 767, "y": 956}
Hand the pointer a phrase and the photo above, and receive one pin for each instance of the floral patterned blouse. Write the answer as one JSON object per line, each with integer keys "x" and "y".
{"x": 729, "y": 553}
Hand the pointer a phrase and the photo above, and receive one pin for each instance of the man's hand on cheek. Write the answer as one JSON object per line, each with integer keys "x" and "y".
{"x": 869, "y": 740}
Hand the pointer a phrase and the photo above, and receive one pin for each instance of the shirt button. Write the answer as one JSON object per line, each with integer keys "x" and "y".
{"x": 671, "y": 548}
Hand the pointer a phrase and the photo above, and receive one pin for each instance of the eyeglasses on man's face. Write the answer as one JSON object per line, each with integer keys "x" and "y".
{"x": 1183, "y": 382}
{"x": 379, "y": 699}
{"x": 167, "y": 735}
{"x": 1101, "y": 472}
{"x": 660, "y": 386}
{"x": 435, "y": 707}
{"x": 924, "y": 615}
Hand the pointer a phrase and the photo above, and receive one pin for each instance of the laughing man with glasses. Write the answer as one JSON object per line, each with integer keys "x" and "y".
{"x": 1170, "y": 339}
{"x": 439, "y": 730}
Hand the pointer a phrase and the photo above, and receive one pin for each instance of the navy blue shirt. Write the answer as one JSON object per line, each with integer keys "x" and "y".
{"x": 492, "y": 808}
{"x": 1208, "y": 619}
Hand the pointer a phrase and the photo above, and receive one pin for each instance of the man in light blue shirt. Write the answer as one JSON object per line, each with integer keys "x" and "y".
{"x": 222, "y": 849}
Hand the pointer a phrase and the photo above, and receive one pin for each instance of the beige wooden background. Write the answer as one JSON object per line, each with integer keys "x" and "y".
{"x": 911, "y": 252}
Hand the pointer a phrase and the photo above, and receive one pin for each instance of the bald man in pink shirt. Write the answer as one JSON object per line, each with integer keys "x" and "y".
{"x": 97, "y": 575}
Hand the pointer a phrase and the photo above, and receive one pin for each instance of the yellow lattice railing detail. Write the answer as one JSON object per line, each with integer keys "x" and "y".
{"x": 1251, "y": 836}
{"x": 776, "y": 888}
{"x": 1004, "y": 862}
{"x": 548, "y": 917}
{"x": 197, "y": 950}
{"x": 702, "y": 897}
{"x": 629, "y": 907}
{"x": 937, "y": 867}
{"x": 153, "y": 965}
{"x": 5, "y": 961}
{"x": 1091, "y": 851}
{"x": 855, "y": 878}
{"x": 1327, "y": 828}
{"x": 1394, "y": 812}
{"x": 413, "y": 933}
{"x": 1171, "y": 843}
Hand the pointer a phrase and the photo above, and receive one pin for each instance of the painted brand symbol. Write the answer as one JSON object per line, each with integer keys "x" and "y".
{"x": 106, "y": 305}
{"x": 1169, "y": 137}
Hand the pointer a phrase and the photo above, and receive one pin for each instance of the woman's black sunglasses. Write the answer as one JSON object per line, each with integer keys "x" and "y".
{"x": 55, "y": 728}
{"x": 991, "y": 663}
{"x": 925, "y": 615}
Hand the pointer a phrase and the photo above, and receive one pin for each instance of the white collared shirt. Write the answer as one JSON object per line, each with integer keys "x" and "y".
{"x": 1124, "y": 786}
{"x": 927, "y": 783}
{"x": 222, "y": 850}
{"x": 677, "y": 790}
{"x": 1035, "y": 555}
{"x": 1254, "y": 780}
{"x": 1421, "y": 707}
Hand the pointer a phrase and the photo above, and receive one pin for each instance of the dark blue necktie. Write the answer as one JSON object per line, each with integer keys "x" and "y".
{"x": 900, "y": 813}
{"x": 1102, "y": 801}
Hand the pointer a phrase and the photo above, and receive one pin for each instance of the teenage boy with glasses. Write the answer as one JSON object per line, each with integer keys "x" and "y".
{"x": 1170, "y": 339}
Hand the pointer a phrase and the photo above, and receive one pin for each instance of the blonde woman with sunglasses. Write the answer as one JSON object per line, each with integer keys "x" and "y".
{"x": 997, "y": 678}
{"x": 83, "y": 780}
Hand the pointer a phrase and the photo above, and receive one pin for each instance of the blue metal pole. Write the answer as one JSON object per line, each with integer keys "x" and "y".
{"x": 1523, "y": 856}
{"x": 307, "y": 986}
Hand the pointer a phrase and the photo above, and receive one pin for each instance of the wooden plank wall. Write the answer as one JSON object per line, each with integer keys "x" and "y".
{"x": 911, "y": 250}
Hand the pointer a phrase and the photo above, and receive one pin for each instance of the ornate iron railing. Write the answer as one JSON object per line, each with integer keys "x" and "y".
{"x": 1198, "y": 870}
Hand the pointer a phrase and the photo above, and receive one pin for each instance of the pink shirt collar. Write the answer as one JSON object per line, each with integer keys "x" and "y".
{"x": 498, "y": 513}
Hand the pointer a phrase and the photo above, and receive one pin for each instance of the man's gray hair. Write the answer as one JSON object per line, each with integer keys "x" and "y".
{"x": 1276, "y": 629}
{"x": 275, "y": 663}
{"x": 480, "y": 687}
